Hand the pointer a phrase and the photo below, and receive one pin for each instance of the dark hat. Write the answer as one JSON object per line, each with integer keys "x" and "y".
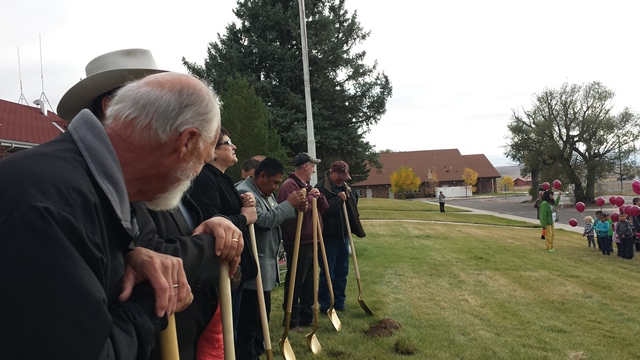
{"x": 341, "y": 168}
{"x": 303, "y": 158}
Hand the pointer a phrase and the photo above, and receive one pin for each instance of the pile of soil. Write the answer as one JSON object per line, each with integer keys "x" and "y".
{"x": 383, "y": 328}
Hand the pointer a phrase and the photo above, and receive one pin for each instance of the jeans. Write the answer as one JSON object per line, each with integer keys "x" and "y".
{"x": 338, "y": 259}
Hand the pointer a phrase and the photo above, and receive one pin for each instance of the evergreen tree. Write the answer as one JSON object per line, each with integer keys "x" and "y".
{"x": 247, "y": 120}
{"x": 348, "y": 96}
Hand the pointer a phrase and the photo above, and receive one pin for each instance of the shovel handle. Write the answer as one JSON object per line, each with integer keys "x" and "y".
{"x": 260, "y": 290}
{"x": 226, "y": 312}
{"x": 169, "y": 341}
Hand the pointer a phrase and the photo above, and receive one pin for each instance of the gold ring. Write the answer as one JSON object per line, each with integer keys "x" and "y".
{"x": 175, "y": 286}
{"x": 234, "y": 240}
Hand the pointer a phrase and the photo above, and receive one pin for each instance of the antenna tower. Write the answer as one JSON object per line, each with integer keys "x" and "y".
{"x": 43, "y": 96}
{"x": 22, "y": 97}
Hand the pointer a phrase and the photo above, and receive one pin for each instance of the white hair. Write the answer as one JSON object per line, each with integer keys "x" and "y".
{"x": 161, "y": 105}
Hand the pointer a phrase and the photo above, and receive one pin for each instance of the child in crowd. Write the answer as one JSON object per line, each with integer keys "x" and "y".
{"x": 635, "y": 220}
{"x": 627, "y": 237}
{"x": 610, "y": 240}
{"x": 589, "y": 232}
{"x": 595, "y": 223}
{"x": 616, "y": 239}
{"x": 602, "y": 231}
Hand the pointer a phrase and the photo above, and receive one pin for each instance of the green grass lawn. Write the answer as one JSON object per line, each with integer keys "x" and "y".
{"x": 469, "y": 291}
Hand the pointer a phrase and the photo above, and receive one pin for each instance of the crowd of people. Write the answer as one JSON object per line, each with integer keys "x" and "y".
{"x": 603, "y": 231}
{"x": 126, "y": 218}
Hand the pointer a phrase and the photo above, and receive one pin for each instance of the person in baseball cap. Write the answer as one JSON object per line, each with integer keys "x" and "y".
{"x": 303, "y": 158}
{"x": 106, "y": 74}
{"x": 342, "y": 169}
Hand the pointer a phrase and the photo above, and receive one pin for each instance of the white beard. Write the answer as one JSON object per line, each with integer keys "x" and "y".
{"x": 170, "y": 199}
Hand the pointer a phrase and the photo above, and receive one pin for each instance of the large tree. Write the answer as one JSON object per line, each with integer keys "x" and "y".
{"x": 348, "y": 96}
{"x": 571, "y": 134}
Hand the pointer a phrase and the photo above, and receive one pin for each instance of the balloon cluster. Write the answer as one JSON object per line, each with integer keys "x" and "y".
{"x": 556, "y": 185}
{"x": 633, "y": 210}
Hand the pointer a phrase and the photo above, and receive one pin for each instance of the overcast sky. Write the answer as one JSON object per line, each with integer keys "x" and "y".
{"x": 458, "y": 68}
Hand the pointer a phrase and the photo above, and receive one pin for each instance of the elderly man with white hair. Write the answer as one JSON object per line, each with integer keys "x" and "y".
{"x": 74, "y": 287}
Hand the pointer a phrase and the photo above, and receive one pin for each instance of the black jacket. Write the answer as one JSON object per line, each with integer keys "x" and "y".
{"x": 335, "y": 228}
{"x": 61, "y": 262}
{"x": 169, "y": 233}
{"x": 214, "y": 193}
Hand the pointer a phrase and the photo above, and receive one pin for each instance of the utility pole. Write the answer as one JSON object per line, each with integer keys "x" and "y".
{"x": 311, "y": 141}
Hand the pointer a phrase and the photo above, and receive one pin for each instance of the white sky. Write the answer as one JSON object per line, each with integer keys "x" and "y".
{"x": 457, "y": 68}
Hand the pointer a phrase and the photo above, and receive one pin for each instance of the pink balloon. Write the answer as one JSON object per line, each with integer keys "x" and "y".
{"x": 636, "y": 186}
{"x": 622, "y": 209}
{"x": 619, "y": 200}
{"x": 545, "y": 185}
{"x": 614, "y": 217}
{"x": 635, "y": 210}
{"x": 580, "y": 206}
{"x": 557, "y": 184}
{"x": 599, "y": 201}
{"x": 612, "y": 200}
{"x": 573, "y": 222}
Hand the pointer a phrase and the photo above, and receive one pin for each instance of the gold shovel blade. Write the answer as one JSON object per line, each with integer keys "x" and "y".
{"x": 313, "y": 342}
{"x": 287, "y": 350}
{"x": 335, "y": 320}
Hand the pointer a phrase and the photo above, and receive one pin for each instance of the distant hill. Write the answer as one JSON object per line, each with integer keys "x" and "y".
{"x": 513, "y": 171}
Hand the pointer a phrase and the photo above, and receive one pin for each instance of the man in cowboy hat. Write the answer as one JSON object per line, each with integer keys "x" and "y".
{"x": 336, "y": 238}
{"x": 67, "y": 227}
{"x": 162, "y": 231}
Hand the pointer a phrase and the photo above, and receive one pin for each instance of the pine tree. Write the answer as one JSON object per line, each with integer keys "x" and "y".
{"x": 348, "y": 96}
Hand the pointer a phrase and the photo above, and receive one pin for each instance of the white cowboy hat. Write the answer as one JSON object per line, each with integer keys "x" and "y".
{"x": 105, "y": 73}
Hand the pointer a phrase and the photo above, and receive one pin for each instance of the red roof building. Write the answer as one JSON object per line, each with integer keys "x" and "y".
{"x": 448, "y": 166}
{"x": 23, "y": 126}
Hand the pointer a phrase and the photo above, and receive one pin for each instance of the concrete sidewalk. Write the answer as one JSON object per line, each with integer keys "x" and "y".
{"x": 557, "y": 225}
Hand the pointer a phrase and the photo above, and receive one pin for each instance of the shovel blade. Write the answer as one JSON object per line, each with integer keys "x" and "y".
{"x": 365, "y": 307}
{"x": 335, "y": 320}
{"x": 313, "y": 342}
{"x": 287, "y": 350}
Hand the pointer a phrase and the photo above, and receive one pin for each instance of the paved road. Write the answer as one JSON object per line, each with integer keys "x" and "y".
{"x": 518, "y": 208}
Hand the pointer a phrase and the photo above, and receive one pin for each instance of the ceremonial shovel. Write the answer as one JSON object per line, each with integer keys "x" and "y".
{"x": 355, "y": 261}
{"x": 331, "y": 312}
{"x": 169, "y": 341}
{"x": 285, "y": 345}
{"x": 226, "y": 312}
{"x": 312, "y": 339}
{"x": 260, "y": 291}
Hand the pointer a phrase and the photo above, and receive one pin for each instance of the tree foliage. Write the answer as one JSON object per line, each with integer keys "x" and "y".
{"x": 508, "y": 181}
{"x": 404, "y": 180}
{"x": 470, "y": 178}
{"x": 572, "y": 135}
{"x": 247, "y": 120}
{"x": 433, "y": 182}
{"x": 348, "y": 96}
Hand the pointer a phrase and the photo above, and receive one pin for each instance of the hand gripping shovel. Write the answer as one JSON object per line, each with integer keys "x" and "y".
{"x": 226, "y": 312}
{"x": 312, "y": 339}
{"x": 355, "y": 261}
{"x": 331, "y": 312}
{"x": 285, "y": 345}
{"x": 169, "y": 341}
{"x": 260, "y": 291}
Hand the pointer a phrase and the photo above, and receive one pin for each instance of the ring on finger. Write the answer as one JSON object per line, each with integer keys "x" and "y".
{"x": 234, "y": 240}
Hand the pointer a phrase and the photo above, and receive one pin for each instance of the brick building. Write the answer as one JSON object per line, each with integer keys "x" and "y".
{"x": 448, "y": 166}
{"x": 23, "y": 127}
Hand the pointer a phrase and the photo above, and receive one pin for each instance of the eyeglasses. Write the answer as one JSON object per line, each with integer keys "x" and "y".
{"x": 228, "y": 142}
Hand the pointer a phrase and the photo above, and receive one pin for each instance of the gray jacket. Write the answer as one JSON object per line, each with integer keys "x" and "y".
{"x": 268, "y": 233}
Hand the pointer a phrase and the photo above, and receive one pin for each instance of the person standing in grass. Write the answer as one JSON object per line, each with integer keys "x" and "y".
{"x": 635, "y": 220}
{"x": 546, "y": 217}
{"x": 626, "y": 236}
{"x": 589, "y": 231}
{"x": 441, "y": 198}
{"x": 595, "y": 225}
{"x": 602, "y": 230}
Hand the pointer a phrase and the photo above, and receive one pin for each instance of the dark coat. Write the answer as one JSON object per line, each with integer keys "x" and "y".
{"x": 214, "y": 193}
{"x": 62, "y": 246}
{"x": 335, "y": 228}
{"x": 291, "y": 185}
{"x": 169, "y": 233}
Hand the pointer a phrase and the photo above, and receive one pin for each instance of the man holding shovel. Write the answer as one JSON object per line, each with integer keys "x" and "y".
{"x": 265, "y": 181}
{"x": 336, "y": 238}
{"x": 301, "y": 313}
